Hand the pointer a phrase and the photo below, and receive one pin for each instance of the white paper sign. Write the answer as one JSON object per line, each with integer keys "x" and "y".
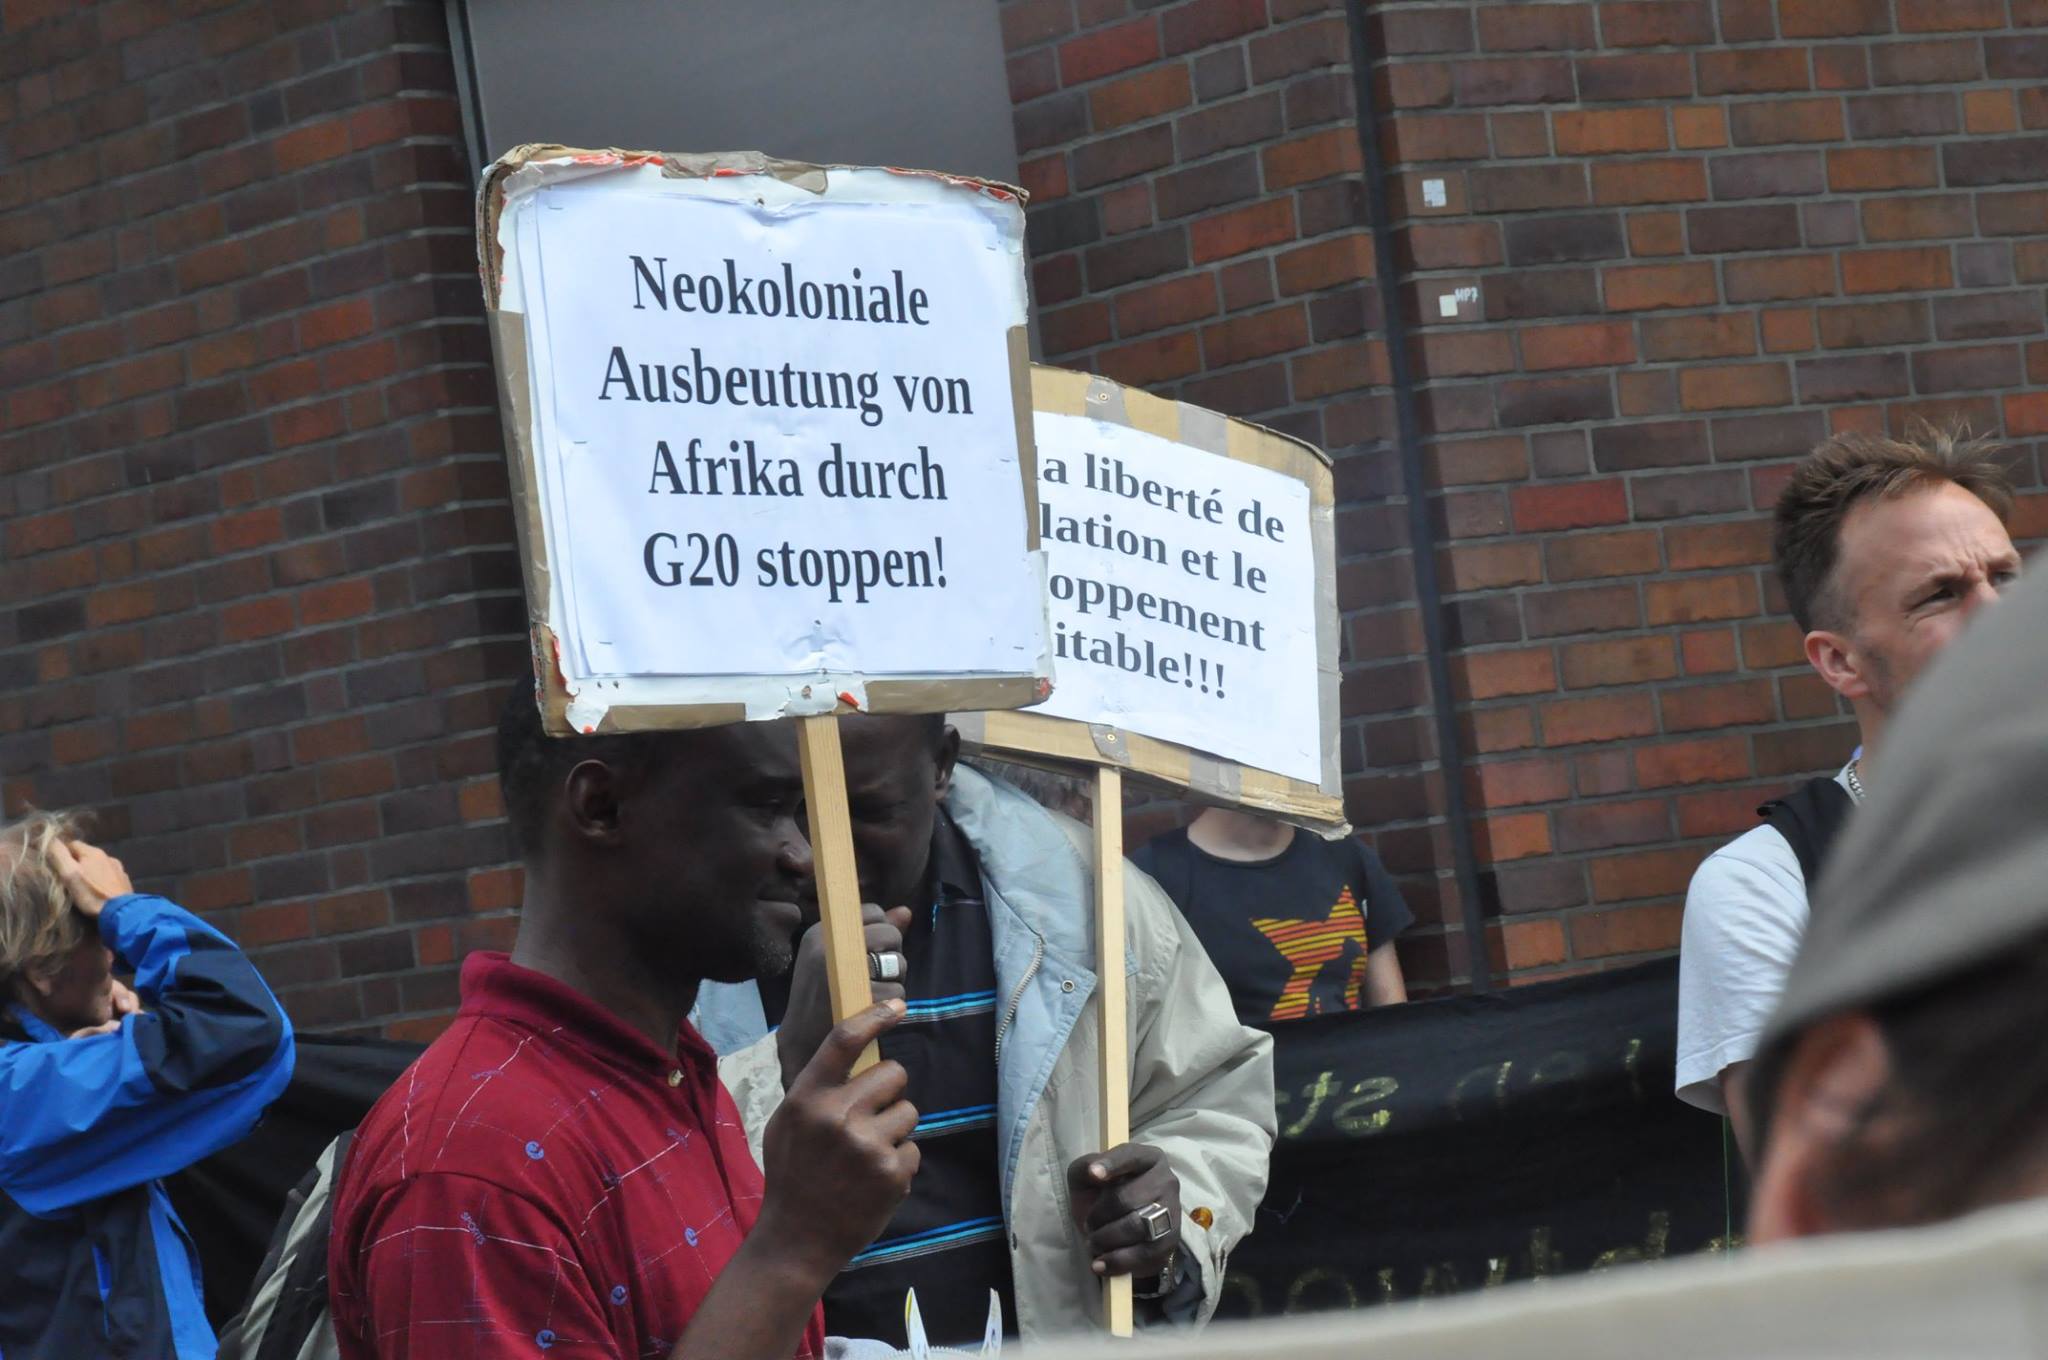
{"x": 775, "y": 429}
{"x": 1183, "y": 594}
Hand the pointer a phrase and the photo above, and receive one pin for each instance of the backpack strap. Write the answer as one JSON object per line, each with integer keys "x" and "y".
{"x": 1810, "y": 818}
{"x": 286, "y": 1315}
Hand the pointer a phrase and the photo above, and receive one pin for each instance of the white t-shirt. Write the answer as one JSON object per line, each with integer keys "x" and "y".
{"x": 1745, "y": 914}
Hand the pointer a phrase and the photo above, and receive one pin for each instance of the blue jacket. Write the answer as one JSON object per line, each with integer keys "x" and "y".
{"x": 93, "y": 1260}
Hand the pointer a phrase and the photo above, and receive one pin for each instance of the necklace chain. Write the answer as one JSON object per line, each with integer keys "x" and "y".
{"x": 1855, "y": 784}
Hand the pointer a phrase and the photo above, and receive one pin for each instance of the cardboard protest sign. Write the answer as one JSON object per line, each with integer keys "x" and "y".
{"x": 1191, "y": 575}
{"x": 770, "y": 436}
{"x": 1190, "y": 570}
{"x": 770, "y": 441}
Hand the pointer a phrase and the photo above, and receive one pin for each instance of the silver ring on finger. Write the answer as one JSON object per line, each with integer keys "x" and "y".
{"x": 1157, "y": 1220}
{"x": 885, "y": 967}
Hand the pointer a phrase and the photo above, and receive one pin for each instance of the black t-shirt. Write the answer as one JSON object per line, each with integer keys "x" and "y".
{"x": 1289, "y": 934}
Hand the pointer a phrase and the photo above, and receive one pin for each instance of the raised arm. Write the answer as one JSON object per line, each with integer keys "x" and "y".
{"x": 173, "y": 1083}
{"x": 836, "y": 1161}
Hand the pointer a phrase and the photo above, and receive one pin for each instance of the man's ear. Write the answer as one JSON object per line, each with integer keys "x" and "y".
{"x": 1825, "y": 1120}
{"x": 1836, "y": 660}
{"x": 590, "y": 802}
{"x": 943, "y": 761}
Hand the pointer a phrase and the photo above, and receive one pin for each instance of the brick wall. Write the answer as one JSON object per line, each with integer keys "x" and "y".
{"x": 259, "y": 591}
{"x": 258, "y": 599}
{"x": 1691, "y": 238}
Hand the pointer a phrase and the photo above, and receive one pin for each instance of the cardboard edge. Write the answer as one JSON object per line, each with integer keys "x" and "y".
{"x": 895, "y": 695}
{"x": 1061, "y": 743}
{"x": 1021, "y": 369}
{"x": 1037, "y": 738}
{"x": 890, "y": 694}
{"x": 674, "y": 165}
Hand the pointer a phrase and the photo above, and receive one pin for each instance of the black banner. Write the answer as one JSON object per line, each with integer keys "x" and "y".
{"x": 1448, "y": 1145}
{"x": 1424, "y": 1149}
{"x": 231, "y": 1201}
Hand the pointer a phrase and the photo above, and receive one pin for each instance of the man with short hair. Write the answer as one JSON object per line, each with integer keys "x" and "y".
{"x": 561, "y": 1169}
{"x": 1886, "y": 549}
{"x": 990, "y": 936}
{"x": 1902, "y": 1079}
{"x": 1899, "y": 1095}
{"x": 104, "y": 1092}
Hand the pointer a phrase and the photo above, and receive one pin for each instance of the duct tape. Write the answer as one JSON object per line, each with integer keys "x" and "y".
{"x": 1105, "y": 401}
{"x": 972, "y": 727}
{"x": 1203, "y": 429}
{"x": 705, "y": 165}
{"x": 1110, "y": 744}
{"x": 1216, "y": 778}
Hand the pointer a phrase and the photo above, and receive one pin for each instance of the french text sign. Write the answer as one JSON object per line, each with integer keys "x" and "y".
{"x": 775, "y": 430}
{"x": 1183, "y": 589}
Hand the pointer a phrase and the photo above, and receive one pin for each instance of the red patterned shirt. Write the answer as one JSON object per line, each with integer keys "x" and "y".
{"x": 542, "y": 1181}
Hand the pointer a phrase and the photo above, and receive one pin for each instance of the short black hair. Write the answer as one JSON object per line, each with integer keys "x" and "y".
{"x": 532, "y": 764}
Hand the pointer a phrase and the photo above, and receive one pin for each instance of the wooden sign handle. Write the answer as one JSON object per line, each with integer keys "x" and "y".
{"x": 1111, "y": 994}
{"x": 846, "y": 953}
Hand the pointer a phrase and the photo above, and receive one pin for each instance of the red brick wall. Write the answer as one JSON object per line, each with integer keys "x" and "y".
{"x": 260, "y": 594}
{"x": 1701, "y": 235}
{"x": 258, "y": 599}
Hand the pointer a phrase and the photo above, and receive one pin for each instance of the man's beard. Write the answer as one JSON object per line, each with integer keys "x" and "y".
{"x": 774, "y": 953}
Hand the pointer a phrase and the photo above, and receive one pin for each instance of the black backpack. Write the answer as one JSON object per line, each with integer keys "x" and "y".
{"x": 286, "y": 1317}
{"x": 1810, "y": 817}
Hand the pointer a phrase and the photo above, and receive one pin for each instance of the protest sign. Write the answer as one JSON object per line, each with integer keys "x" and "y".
{"x": 1191, "y": 575}
{"x": 769, "y": 430}
{"x": 770, "y": 436}
{"x": 1190, "y": 570}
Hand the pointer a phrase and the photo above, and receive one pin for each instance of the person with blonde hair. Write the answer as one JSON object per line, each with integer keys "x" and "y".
{"x": 105, "y": 1090}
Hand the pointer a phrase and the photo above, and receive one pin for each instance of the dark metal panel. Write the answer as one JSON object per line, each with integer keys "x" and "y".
{"x": 881, "y": 82}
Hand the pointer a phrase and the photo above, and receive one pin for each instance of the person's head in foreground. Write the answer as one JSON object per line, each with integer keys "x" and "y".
{"x": 1904, "y": 1077}
{"x": 1886, "y": 548}
{"x": 52, "y": 961}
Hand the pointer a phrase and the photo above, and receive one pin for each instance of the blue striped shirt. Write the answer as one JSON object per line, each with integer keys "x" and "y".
{"x": 948, "y": 1240}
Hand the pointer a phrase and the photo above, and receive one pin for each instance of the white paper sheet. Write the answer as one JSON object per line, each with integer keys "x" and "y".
{"x": 695, "y": 532}
{"x": 1183, "y": 594}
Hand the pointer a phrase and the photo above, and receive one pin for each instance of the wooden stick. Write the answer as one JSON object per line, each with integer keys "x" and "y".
{"x": 1111, "y": 994}
{"x": 846, "y": 952}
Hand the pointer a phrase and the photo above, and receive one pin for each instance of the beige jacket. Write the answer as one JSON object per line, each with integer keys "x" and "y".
{"x": 1201, "y": 1083}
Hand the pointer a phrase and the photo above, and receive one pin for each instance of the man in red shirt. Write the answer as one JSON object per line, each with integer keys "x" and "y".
{"x": 561, "y": 1171}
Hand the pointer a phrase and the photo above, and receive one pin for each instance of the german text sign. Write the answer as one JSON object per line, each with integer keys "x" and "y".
{"x": 775, "y": 421}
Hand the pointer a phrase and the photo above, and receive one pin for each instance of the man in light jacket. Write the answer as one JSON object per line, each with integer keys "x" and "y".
{"x": 989, "y": 936}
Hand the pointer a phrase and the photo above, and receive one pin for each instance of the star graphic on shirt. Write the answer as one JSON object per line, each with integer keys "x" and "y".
{"x": 1311, "y": 946}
